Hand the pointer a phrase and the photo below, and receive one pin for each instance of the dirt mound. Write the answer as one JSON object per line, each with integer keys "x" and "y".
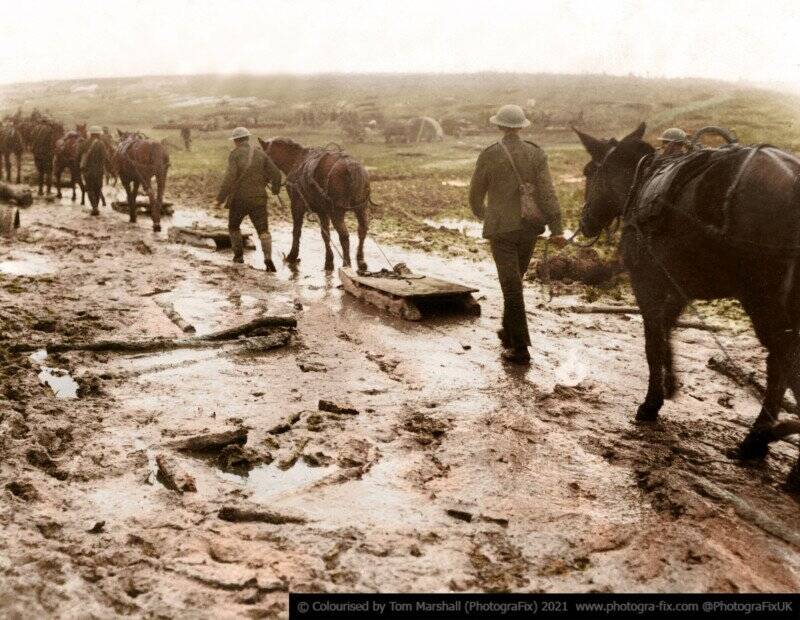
{"x": 585, "y": 265}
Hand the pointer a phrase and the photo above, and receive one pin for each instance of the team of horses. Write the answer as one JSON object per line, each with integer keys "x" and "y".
{"x": 134, "y": 159}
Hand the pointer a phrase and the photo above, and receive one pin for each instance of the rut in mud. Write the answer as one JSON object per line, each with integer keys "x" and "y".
{"x": 431, "y": 467}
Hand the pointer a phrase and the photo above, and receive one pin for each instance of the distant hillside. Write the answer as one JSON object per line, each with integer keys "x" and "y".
{"x": 606, "y": 104}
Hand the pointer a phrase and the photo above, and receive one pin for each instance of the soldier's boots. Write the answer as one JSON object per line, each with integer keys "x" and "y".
{"x": 237, "y": 244}
{"x": 266, "y": 247}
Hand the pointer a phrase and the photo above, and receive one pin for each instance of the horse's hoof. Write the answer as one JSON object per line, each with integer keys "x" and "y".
{"x": 132, "y": 220}
{"x": 270, "y": 266}
{"x": 647, "y": 412}
{"x": 362, "y": 266}
{"x": 754, "y": 447}
{"x": 95, "y": 213}
{"x": 329, "y": 266}
{"x": 156, "y": 227}
{"x": 670, "y": 386}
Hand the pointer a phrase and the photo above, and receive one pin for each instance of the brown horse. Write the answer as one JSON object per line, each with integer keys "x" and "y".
{"x": 137, "y": 160}
{"x": 11, "y": 143}
{"x": 67, "y": 156}
{"x": 329, "y": 183}
{"x": 44, "y": 138}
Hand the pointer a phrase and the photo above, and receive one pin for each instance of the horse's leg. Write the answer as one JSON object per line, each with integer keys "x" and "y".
{"x": 19, "y": 168}
{"x": 40, "y": 170}
{"x": 81, "y": 184}
{"x": 129, "y": 193}
{"x": 362, "y": 215}
{"x": 298, "y": 212}
{"x": 781, "y": 346}
{"x": 161, "y": 182}
{"x": 7, "y": 165}
{"x": 58, "y": 179}
{"x": 344, "y": 236}
{"x": 325, "y": 229}
{"x": 155, "y": 208}
{"x": 672, "y": 310}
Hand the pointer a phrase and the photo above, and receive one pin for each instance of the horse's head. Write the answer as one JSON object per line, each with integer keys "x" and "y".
{"x": 609, "y": 176}
{"x": 283, "y": 151}
{"x": 123, "y": 134}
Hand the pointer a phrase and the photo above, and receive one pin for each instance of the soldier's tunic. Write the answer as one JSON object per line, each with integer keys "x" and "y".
{"x": 244, "y": 187}
{"x": 511, "y": 238}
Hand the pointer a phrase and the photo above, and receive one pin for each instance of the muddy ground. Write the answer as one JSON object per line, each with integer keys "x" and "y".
{"x": 455, "y": 473}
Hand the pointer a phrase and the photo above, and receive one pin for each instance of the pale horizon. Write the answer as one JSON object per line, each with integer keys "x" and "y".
{"x": 727, "y": 41}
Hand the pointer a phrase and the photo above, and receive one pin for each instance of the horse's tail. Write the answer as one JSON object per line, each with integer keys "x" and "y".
{"x": 358, "y": 183}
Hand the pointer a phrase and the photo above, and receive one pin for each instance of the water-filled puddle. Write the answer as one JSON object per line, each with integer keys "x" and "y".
{"x": 269, "y": 482}
{"x": 465, "y": 227}
{"x": 26, "y": 264}
{"x": 57, "y": 379}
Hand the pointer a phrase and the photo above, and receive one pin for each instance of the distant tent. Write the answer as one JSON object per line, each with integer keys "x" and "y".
{"x": 424, "y": 129}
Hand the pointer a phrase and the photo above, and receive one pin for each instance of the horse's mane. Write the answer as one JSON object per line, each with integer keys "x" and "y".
{"x": 286, "y": 142}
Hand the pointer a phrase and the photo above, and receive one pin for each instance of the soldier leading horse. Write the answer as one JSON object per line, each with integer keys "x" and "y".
{"x": 715, "y": 223}
{"x": 329, "y": 183}
{"x": 137, "y": 160}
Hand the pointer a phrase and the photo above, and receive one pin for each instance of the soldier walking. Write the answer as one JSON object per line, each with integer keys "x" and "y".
{"x": 499, "y": 173}
{"x": 243, "y": 191}
{"x": 186, "y": 136}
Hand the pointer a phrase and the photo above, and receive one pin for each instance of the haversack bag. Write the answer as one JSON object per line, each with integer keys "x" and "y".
{"x": 529, "y": 210}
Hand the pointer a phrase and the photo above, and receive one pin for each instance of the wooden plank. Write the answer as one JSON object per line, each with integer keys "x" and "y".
{"x": 142, "y": 207}
{"x": 215, "y": 238}
{"x": 414, "y": 286}
{"x": 403, "y": 308}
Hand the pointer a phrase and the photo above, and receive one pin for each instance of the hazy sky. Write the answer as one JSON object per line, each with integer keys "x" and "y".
{"x": 757, "y": 40}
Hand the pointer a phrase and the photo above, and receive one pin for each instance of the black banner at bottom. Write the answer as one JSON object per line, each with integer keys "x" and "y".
{"x": 511, "y": 606}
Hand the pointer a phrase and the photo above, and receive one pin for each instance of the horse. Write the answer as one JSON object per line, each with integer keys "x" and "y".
{"x": 137, "y": 160}
{"x": 67, "y": 156}
{"x": 727, "y": 226}
{"x": 329, "y": 183}
{"x": 11, "y": 143}
{"x": 43, "y": 144}
{"x": 110, "y": 171}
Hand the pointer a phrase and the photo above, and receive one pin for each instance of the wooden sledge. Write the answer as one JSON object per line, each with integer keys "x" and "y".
{"x": 142, "y": 207}
{"x": 206, "y": 237}
{"x": 409, "y": 295}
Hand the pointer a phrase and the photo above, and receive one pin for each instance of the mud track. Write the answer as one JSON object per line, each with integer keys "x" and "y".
{"x": 438, "y": 468}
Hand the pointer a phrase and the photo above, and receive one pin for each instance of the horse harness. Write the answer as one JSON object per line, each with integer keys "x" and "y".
{"x": 302, "y": 179}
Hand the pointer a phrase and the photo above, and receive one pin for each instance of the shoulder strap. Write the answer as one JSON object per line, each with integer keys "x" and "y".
{"x": 511, "y": 160}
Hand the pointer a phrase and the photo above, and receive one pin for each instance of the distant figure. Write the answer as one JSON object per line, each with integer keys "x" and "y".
{"x": 243, "y": 191}
{"x": 673, "y": 141}
{"x": 186, "y": 136}
{"x": 500, "y": 171}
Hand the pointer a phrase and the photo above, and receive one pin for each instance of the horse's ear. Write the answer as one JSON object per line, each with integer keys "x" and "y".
{"x": 593, "y": 146}
{"x": 636, "y": 134}
{"x": 264, "y": 144}
{"x": 119, "y": 133}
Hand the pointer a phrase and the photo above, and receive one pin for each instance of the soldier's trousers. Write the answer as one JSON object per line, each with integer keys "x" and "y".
{"x": 512, "y": 254}
{"x": 255, "y": 208}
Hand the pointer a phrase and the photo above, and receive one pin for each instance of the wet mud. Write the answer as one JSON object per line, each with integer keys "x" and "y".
{"x": 432, "y": 466}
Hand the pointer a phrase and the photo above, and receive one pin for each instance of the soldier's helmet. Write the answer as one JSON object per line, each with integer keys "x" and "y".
{"x": 510, "y": 116}
{"x": 94, "y": 130}
{"x": 240, "y": 132}
{"x": 673, "y": 134}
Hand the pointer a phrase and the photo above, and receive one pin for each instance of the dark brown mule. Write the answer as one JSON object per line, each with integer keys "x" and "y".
{"x": 137, "y": 160}
{"x": 11, "y": 143}
{"x": 329, "y": 183}
{"x": 728, "y": 225}
{"x": 68, "y": 157}
{"x": 43, "y": 145}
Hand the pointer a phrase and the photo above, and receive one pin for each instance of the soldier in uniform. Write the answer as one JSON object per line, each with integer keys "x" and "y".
{"x": 673, "y": 141}
{"x": 93, "y": 157}
{"x": 186, "y": 136}
{"x": 243, "y": 190}
{"x": 512, "y": 238}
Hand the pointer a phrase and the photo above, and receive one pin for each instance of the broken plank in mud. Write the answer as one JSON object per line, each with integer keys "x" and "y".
{"x": 142, "y": 207}
{"x": 407, "y": 297}
{"x": 206, "y": 237}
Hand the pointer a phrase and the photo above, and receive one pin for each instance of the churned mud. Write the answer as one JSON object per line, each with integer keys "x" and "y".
{"x": 431, "y": 466}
